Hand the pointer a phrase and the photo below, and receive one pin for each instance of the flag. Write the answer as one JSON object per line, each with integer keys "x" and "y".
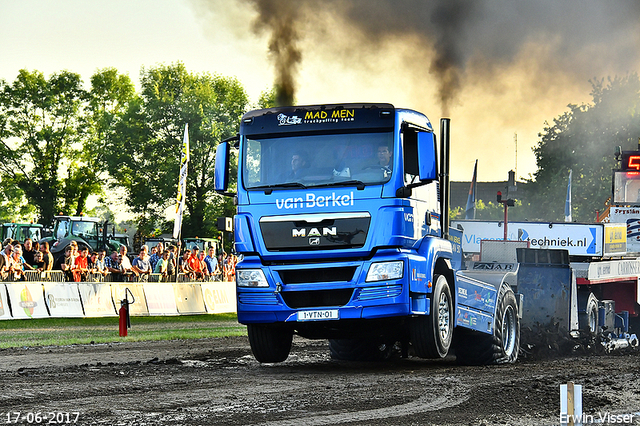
{"x": 182, "y": 183}
{"x": 567, "y": 203}
{"x": 471, "y": 200}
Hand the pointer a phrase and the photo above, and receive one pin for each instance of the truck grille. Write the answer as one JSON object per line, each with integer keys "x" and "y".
{"x": 320, "y": 275}
{"x": 315, "y": 232}
{"x": 257, "y": 298}
{"x": 317, "y": 298}
{"x": 381, "y": 292}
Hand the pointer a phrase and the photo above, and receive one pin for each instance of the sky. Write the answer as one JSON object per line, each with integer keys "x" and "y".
{"x": 499, "y": 69}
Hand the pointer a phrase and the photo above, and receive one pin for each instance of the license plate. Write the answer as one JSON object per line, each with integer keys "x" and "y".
{"x": 320, "y": 315}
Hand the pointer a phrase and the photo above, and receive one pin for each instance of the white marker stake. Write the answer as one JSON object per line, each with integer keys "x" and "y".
{"x": 571, "y": 405}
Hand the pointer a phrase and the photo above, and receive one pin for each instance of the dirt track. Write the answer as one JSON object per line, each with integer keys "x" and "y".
{"x": 217, "y": 382}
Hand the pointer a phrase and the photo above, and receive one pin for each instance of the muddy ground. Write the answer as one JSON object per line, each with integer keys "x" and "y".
{"x": 217, "y": 382}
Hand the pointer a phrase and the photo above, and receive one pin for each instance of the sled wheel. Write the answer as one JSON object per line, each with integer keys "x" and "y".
{"x": 588, "y": 320}
{"x": 501, "y": 347}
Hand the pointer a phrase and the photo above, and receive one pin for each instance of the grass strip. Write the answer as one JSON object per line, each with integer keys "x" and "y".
{"x": 70, "y": 331}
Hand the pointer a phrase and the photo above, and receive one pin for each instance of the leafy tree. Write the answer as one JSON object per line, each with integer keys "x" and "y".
{"x": 267, "y": 99}
{"x": 13, "y": 206}
{"x": 144, "y": 154}
{"x": 584, "y": 140}
{"x": 493, "y": 211}
{"x": 108, "y": 100}
{"x": 40, "y": 132}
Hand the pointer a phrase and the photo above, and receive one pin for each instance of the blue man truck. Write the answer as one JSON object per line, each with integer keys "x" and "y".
{"x": 342, "y": 224}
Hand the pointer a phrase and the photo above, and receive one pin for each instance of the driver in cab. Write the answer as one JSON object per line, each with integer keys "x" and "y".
{"x": 384, "y": 160}
{"x": 299, "y": 165}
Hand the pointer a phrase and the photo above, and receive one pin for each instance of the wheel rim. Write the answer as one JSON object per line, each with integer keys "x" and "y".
{"x": 593, "y": 320}
{"x": 509, "y": 330}
{"x": 443, "y": 317}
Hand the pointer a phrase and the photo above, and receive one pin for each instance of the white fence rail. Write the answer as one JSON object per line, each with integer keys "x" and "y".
{"x": 96, "y": 297}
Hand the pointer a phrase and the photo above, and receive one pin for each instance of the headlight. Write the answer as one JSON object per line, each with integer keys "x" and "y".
{"x": 251, "y": 278}
{"x": 385, "y": 271}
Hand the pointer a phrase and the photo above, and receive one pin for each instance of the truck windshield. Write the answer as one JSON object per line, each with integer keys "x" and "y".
{"x": 318, "y": 160}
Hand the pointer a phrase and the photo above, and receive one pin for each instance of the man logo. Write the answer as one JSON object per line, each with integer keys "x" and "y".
{"x": 314, "y": 232}
{"x": 314, "y": 241}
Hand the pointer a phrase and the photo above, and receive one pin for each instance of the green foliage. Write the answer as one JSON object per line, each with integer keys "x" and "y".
{"x": 144, "y": 153}
{"x": 492, "y": 211}
{"x": 40, "y": 129}
{"x": 13, "y": 205}
{"x": 456, "y": 213}
{"x": 267, "y": 99}
{"x": 50, "y": 133}
{"x": 584, "y": 140}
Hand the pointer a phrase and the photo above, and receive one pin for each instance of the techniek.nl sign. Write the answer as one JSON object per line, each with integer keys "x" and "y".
{"x": 578, "y": 239}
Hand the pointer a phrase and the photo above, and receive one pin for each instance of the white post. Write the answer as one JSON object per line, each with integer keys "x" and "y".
{"x": 571, "y": 404}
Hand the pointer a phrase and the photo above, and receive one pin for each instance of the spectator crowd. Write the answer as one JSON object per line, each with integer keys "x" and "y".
{"x": 79, "y": 264}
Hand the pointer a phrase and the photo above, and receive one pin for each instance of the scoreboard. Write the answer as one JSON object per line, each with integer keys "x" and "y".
{"x": 626, "y": 180}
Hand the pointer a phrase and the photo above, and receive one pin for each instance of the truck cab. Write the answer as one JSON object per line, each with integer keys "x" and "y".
{"x": 340, "y": 224}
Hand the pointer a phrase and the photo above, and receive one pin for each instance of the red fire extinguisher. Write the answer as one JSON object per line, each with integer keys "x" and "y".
{"x": 125, "y": 320}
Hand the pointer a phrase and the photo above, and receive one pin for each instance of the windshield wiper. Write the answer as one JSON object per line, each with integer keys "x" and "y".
{"x": 268, "y": 189}
{"x": 358, "y": 183}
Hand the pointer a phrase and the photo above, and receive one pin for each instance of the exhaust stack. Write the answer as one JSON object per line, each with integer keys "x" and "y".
{"x": 445, "y": 129}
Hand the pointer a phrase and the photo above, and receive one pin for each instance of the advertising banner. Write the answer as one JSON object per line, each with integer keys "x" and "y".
{"x": 615, "y": 239}
{"x": 161, "y": 299}
{"x": 189, "y": 298}
{"x": 27, "y": 300}
{"x": 219, "y": 297}
{"x": 4, "y": 304}
{"x": 96, "y": 299}
{"x": 631, "y": 217}
{"x": 119, "y": 293}
{"x": 578, "y": 238}
{"x": 63, "y": 300}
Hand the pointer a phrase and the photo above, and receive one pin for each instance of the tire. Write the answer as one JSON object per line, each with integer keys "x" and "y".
{"x": 431, "y": 334}
{"x": 588, "y": 320}
{"x": 501, "y": 347}
{"x": 270, "y": 343}
{"x": 363, "y": 349}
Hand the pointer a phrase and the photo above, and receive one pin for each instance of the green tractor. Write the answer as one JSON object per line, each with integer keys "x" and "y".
{"x": 21, "y": 231}
{"x": 91, "y": 232}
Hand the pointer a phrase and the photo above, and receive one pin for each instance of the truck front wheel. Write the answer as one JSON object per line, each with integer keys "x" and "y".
{"x": 431, "y": 334}
{"x": 501, "y": 347}
{"x": 270, "y": 343}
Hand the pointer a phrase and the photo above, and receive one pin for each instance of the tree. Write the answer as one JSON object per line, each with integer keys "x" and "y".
{"x": 109, "y": 97}
{"x": 584, "y": 140}
{"x": 144, "y": 154}
{"x": 40, "y": 131}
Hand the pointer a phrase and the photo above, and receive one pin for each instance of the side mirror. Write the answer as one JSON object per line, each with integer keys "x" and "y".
{"x": 427, "y": 165}
{"x": 221, "y": 173}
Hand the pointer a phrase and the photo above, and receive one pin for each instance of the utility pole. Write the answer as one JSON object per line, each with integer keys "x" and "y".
{"x": 515, "y": 140}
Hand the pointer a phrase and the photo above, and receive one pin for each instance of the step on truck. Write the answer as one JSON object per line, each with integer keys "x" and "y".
{"x": 342, "y": 226}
